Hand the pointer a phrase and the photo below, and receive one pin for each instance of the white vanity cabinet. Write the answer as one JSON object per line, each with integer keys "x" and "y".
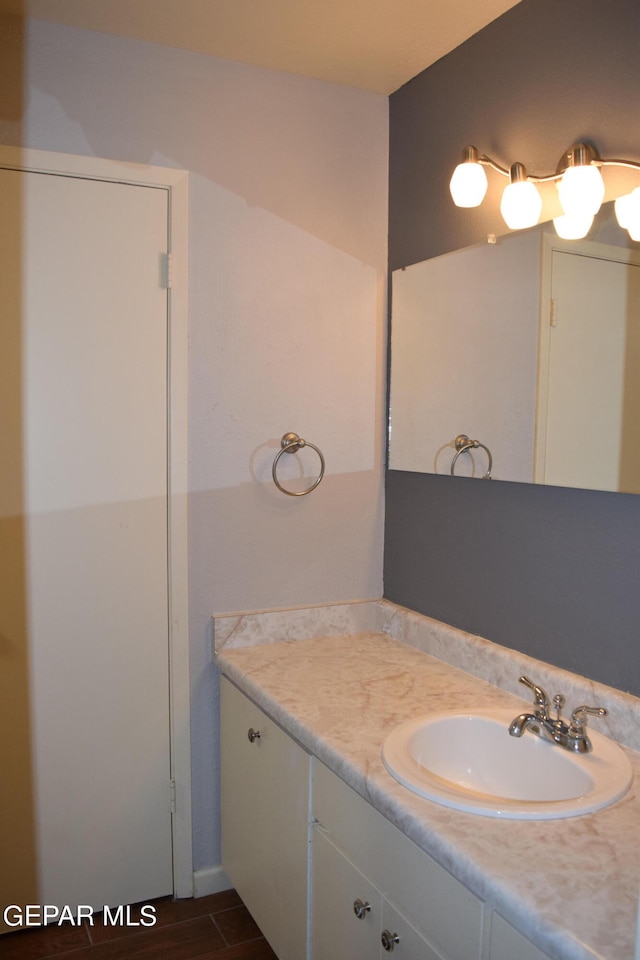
{"x": 265, "y": 821}
{"x": 368, "y": 881}
{"x": 351, "y": 918}
{"x": 418, "y": 909}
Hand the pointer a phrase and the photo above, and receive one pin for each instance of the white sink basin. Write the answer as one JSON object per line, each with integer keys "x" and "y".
{"x": 469, "y": 761}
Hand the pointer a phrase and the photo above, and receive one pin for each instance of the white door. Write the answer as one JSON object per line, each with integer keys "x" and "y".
{"x": 94, "y": 395}
{"x": 592, "y": 393}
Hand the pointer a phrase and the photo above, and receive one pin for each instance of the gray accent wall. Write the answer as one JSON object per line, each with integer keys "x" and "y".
{"x": 549, "y": 571}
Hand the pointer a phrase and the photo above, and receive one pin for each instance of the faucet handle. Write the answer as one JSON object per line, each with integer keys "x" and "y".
{"x": 540, "y": 697}
{"x": 579, "y": 716}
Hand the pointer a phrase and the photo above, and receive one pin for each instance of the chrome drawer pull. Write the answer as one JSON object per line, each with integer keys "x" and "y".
{"x": 361, "y": 909}
{"x": 389, "y": 940}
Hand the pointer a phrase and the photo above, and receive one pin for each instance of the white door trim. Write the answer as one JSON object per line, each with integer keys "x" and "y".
{"x": 176, "y": 182}
{"x": 551, "y": 243}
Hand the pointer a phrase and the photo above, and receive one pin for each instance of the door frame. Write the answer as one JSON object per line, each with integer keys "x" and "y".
{"x": 176, "y": 183}
{"x": 550, "y": 244}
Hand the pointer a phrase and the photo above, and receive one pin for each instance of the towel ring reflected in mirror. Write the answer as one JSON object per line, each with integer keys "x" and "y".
{"x": 464, "y": 445}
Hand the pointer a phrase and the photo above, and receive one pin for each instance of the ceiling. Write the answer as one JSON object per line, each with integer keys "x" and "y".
{"x": 374, "y": 45}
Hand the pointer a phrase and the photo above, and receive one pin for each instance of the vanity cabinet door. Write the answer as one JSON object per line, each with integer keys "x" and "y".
{"x": 351, "y": 918}
{"x": 405, "y": 941}
{"x": 447, "y": 913}
{"x": 339, "y": 890}
{"x": 265, "y": 818}
{"x": 508, "y": 944}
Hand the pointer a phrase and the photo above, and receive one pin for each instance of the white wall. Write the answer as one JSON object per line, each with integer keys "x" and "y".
{"x": 288, "y": 260}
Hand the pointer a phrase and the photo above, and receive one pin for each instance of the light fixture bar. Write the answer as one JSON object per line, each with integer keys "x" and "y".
{"x": 562, "y": 166}
{"x": 488, "y": 162}
{"x": 580, "y": 185}
{"x": 632, "y": 164}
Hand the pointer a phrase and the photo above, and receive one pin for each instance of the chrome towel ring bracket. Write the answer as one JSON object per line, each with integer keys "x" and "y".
{"x": 291, "y": 443}
{"x": 464, "y": 445}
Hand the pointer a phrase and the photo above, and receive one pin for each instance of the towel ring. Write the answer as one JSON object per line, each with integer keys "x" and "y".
{"x": 291, "y": 443}
{"x": 463, "y": 445}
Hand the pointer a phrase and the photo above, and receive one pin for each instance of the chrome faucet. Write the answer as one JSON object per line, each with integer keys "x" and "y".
{"x": 571, "y": 736}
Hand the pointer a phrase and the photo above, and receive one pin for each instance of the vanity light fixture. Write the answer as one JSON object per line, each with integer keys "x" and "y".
{"x": 580, "y": 185}
{"x": 521, "y": 202}
{"x": 469, "y": 181}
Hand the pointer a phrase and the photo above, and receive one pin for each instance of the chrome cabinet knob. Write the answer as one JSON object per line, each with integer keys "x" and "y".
{"x": 389, "y": 940}
{"x": 253, "y": 735}
{"x": 360, "y": 908}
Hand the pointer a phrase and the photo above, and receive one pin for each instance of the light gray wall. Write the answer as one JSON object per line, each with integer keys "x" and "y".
{"x": 550, "y": 571}
{"x": 288, "y": 218}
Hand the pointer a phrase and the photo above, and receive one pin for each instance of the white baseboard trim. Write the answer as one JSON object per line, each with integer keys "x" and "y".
{"x": 210, "y": 880}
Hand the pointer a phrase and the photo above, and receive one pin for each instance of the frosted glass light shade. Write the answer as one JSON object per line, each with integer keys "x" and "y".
{"x": 628, "y": 213}
{"x": 468, "y": 184}
{"x": 573, "y": 226}
{"x": 521, "y": 205}
{"x": 633, "y": 214}
{"x": 622, "y": 207}
{"x": 581, "y": 190}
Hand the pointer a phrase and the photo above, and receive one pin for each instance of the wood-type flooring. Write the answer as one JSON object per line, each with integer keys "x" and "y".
{"x": 217, "y": 927}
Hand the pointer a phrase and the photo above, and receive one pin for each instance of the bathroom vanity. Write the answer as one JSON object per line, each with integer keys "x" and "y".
{"x": 335, "y": 859}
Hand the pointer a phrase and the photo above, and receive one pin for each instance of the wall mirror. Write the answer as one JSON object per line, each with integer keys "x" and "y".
{"x": 529, "y": 345}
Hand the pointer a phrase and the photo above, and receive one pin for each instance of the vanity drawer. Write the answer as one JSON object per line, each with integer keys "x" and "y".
{"x": 425, "y": 892}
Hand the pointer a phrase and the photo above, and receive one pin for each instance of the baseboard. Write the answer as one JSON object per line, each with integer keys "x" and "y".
{"x": 210, "y": 880}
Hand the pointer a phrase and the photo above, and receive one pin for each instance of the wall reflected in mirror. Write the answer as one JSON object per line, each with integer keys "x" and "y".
{"x": 530, "y": 345}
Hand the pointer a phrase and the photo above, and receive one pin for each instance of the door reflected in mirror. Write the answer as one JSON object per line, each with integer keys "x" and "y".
{"x": 529, "y": 345}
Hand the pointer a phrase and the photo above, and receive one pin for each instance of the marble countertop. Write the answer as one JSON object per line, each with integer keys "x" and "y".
{"x": 570, "y": 885}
